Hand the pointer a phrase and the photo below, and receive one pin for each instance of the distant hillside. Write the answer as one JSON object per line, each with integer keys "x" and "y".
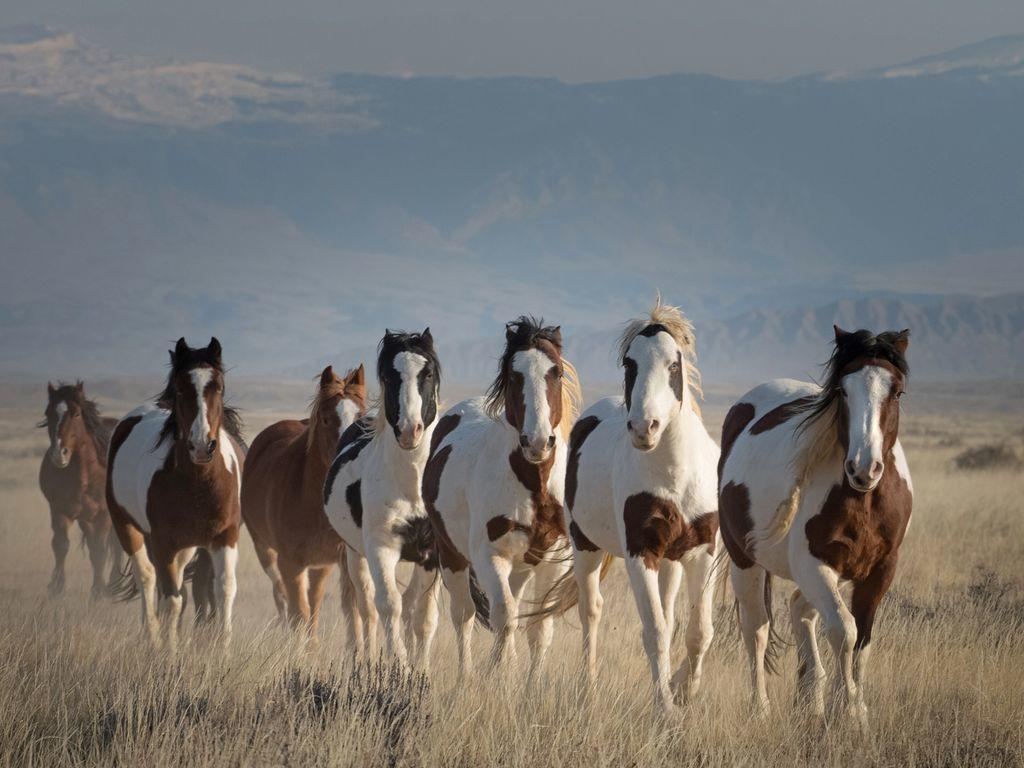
{"x": 143, "y": 199}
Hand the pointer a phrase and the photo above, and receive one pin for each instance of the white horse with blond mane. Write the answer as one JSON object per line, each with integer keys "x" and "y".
{"x": 641, "y": 485}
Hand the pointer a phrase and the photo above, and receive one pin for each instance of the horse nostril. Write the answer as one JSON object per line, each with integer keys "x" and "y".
{"x": 629, "y": 426}
{"x": 211, "y": 446}
{"x": 551, "y": 441}
{"x": 851, "y": 468}
{"x": 654, "y": 425}
{"x": 876, "y": 468}
{"x": 524, "y": 441}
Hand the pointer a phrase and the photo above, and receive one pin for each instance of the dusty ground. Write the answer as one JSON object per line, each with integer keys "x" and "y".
{"x": 78, "y": 687}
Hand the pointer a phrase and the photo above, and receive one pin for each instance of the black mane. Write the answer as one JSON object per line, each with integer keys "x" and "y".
{"x": 849, "y": 347}
{"x": 94, "y": 425}
{"x": 525, "y": 332}
{"x": 185, "y": 358}
{"x": 401, "y": 341}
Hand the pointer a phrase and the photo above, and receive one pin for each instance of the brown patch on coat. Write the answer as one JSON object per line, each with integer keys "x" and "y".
{"x": 580, "y": 540}
{"x": 445, "y": 426}
{"x": 735, "y": 422}
{"x": 127, "y": 532}
{"x": 580, "y": 432}
{"x": 656, "y": 529}
{"x": 548, "y": 523}
{"x": 859, "y": 535}
{"x": 449, "y": 557}
{"x": 781, "y": 414}
{"x": 736, "y": 522}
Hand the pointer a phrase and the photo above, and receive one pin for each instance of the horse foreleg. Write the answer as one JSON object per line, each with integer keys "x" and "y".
{"x": 172, "y": 574}
{"x": 425, "y": 615}
{"x": 145, "y": 579}
{"x": 96, "y": 542}
{"x": 317, "y": 588}
{"x": 656, "y": 635}
{"x": 541, "y": 630}
{"x": 700, "y": 590}
{"x": 60, "y": 524}
{"x": 493, "y": 571}
{"x": 364, "y": 596}
{"x": 115, "y": 557}
{"x": 225, "y": 562}
{"x": 463, "y": 613}
{"x": 383, "y": 562}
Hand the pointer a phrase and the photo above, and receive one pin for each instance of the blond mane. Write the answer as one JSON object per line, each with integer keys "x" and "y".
{"x": 680, "y": 329}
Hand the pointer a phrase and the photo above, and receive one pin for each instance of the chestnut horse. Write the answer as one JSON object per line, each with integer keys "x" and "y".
{"x": 814, "y": 487}
{"x": 283, "y": 504}
{"x": 72, "y": 477}
{"x": 173, "y": 483}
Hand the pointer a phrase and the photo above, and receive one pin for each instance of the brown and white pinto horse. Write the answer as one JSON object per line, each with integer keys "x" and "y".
{"x": 173, "y": 483}
{"x": 72, "y": 477}
{"x": 493, "y": 488}
{"x": 814, "y": 487}
{"x": 283, "y": 503}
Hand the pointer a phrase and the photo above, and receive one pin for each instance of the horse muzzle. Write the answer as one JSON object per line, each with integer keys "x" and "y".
{"x": 60, "y": 457}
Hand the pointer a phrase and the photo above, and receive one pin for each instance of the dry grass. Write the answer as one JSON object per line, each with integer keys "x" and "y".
{"x": 78, "y": 687}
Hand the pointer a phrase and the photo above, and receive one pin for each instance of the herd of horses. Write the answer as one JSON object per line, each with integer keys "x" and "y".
{"x": 517, "y": 489}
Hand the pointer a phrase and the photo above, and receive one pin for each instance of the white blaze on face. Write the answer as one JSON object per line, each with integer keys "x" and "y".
{"x": 201, "y": 433}
{"x": 866, "y": 391}
{"x": 61, "y": 411}
{"x": 652, "y": 403}
{"x": 410, "y": 403}
{"x": 533, "y": 365}
{"x": 348, "y": 412}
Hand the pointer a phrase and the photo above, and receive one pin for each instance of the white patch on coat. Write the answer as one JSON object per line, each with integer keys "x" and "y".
{"x": 410, "y": 403}
{"x": 533, "y": 365}
{"x": 348, "y": 412}
{"x": 200, "y": 433}
{"x": 865, "y": 391}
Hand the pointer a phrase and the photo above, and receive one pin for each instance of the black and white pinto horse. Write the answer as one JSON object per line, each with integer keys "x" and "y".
{"x": 494, "y": 486}
{"x": 815, "y": 488}
{"x": 641, "y": 485}
{"x": 372, "y": 497}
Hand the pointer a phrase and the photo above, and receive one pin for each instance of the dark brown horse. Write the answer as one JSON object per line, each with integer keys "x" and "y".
{"x": 283, "y": 502}
{"x": 72, "y": 477}
{"x": 173, "y": 483}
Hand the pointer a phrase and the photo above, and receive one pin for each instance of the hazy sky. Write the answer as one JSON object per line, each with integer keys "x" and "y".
{"x": 571, "y": 39}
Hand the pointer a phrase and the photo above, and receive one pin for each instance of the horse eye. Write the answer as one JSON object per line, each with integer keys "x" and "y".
{"x": 674, "y": 367}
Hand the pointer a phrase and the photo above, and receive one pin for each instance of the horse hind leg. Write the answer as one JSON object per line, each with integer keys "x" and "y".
{"x": 656, "y": 636}
{"x": 115, "y": 555}
{"x": 755, "y": 624}
{"x": 810, "y": 671}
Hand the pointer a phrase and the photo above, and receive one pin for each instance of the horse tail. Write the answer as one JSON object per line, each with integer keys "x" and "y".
{"x": 123, "y": 589}
{"x": 199, "y": 573}
{"x": 480, "y": 601}
{"x": 773, "y": 653}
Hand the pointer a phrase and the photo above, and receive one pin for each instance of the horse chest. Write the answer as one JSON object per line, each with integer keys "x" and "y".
{"x": 190, "y": 509}
{"x": 853, "y": 532}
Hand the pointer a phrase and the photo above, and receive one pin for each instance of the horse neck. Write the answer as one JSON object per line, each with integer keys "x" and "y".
{"x": 87, "y": 456}
{"x": 315, "y": 461}
{"x": 406, "y": 467}
{"x": 683, "y": 434}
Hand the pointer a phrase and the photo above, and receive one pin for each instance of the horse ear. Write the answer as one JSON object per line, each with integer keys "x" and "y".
{"x": 556, "y": 336}
{"x": 840, "y": 333}
{"x": 427, "y": 337}
{"x": 510, "y": 330}
{"x": 50, "y": 389}
{"x": 180, "y": 350}
{"x": 214, "y": 348}
{"x": 902, "y": 341}
{"x": 80, "y": 386}
{"x": 327, "y": 376}
{"x": 358, "y": 376}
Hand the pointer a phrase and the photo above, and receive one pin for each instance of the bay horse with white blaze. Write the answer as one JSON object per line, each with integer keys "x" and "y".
{"x": 72, "y": 477}
{"x": 283, "y": 503}
{"x": 372, "y": 496}
{"x": 814, "y": 487}
{"x": 494, "y": 488}
{"x": 173, "y": 483}
{"x": 641, "y": 485}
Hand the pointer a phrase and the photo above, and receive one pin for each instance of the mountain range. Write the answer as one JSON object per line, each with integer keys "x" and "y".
{"x": 296, "y": 217}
